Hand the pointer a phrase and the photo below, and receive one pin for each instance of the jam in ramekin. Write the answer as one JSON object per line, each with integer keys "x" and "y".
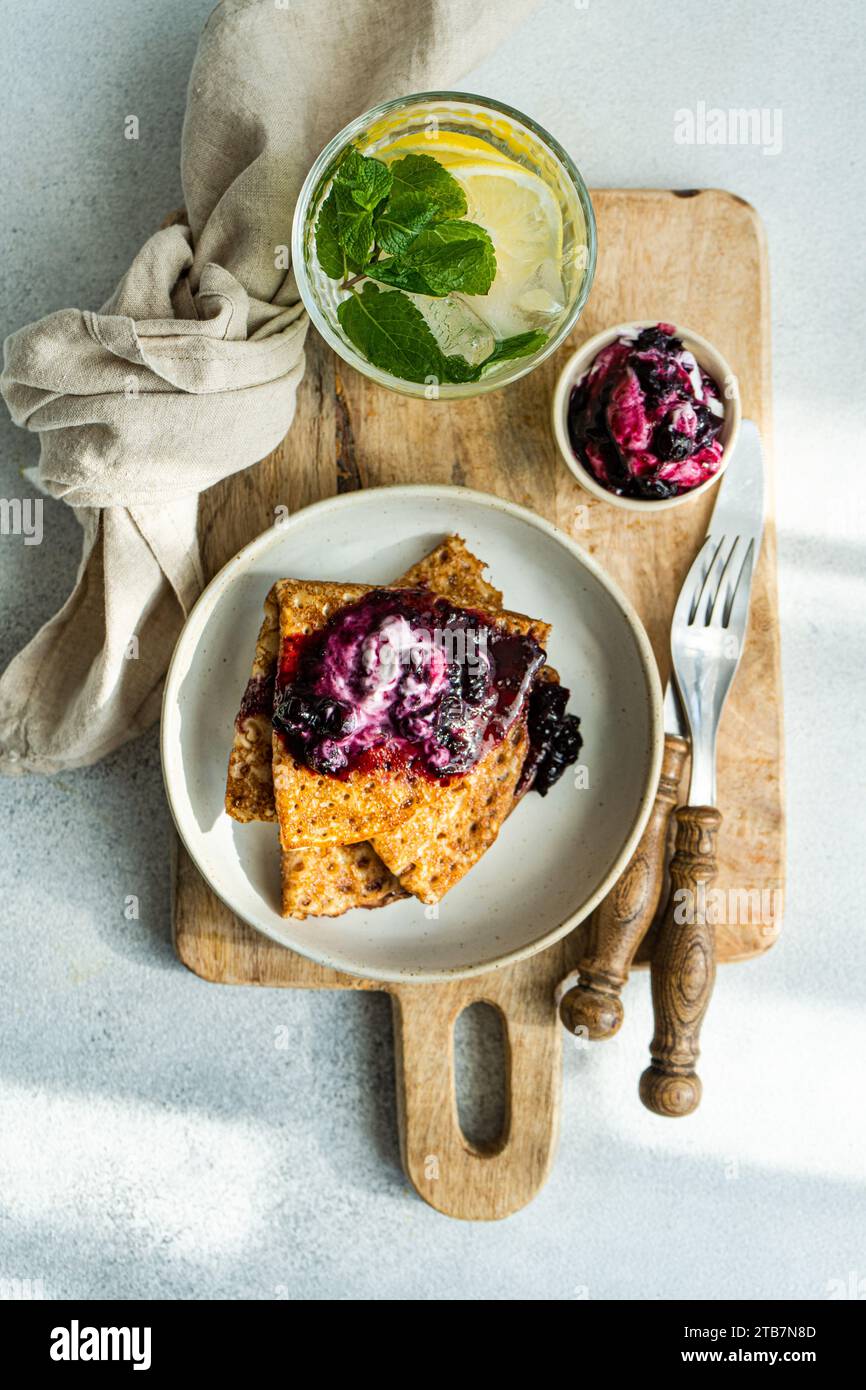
{"x": 645, "y": 418}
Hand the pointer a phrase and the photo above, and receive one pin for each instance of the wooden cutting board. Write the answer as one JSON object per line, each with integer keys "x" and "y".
{"x": 695, "y": 258}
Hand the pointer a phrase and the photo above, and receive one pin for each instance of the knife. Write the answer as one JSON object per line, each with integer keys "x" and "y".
{"x": 707, "y": 638}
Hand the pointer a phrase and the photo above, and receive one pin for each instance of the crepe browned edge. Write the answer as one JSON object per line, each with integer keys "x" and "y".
{"x": 250, "y": 779}
{"x": 450, "y": 569}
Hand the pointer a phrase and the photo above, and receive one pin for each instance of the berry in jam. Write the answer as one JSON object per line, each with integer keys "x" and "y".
{"x": 644, "y": 419}
{"x": 313, "y": 714}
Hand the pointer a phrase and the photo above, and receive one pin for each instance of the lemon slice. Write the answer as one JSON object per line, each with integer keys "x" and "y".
{"x": 516, "y": 207}
{"x": 450, "y": 147}
{"x": 525, "y": 224}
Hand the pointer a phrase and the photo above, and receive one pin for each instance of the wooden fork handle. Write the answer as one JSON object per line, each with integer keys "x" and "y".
{"x": 592, "y": 1007}
{"x": 683, "y": 967}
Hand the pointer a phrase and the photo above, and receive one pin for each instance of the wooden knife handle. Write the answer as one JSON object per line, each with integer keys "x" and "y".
{"x": 683, "y": 967}
{"x": 592, "y": 1006}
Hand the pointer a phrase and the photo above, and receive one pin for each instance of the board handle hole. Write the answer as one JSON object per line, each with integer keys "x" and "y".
{"x": 480, "y": 1076}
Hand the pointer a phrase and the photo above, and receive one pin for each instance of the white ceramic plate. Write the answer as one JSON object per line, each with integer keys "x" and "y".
{"x": 556, "y": 856}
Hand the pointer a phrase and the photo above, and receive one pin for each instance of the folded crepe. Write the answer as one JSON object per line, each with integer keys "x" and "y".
{"x": 328, "y": 881}
{"x": 430, "y": 833}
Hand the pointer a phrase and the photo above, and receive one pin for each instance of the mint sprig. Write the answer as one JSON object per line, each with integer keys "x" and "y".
{"x": 404, "y": 226}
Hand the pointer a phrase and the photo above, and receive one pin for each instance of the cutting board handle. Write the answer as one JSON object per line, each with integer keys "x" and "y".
{"x": 450, "y": 1173}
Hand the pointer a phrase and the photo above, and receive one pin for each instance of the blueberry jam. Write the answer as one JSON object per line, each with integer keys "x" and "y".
{"x": 258, "y": 698}
{"x": 554, "y": 740}
{"x": 405, "y": 677}
{"x": 645, "y": 418}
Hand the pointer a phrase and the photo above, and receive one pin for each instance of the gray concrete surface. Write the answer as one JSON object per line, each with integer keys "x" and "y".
{"x": 153, "y": 1140}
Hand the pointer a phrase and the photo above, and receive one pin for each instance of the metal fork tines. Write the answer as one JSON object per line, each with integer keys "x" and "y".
{"x": 707, "y": 635}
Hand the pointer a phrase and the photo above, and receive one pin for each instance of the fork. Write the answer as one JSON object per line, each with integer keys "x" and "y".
{"x": 707, "y": 635}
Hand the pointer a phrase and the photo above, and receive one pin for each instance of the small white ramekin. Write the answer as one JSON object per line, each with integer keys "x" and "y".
{"x": 707, "y": 357}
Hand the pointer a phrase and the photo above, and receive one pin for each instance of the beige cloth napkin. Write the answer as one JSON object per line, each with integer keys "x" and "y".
{"x": 189, "y": 372}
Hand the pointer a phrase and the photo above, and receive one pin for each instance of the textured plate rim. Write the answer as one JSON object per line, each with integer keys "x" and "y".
{"x": 196, "y": 621}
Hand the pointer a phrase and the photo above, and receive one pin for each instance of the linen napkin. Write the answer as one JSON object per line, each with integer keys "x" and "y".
{"x": 188, "y": 373}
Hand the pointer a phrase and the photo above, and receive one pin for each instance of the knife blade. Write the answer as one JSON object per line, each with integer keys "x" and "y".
{"x": 739, "y": 507}
{"x": 738, "y": 511}
{"x": 674, "y": 719}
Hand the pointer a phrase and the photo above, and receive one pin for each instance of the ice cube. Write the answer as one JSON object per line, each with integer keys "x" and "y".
{"x": 538, "y": 305}
{"x": 456, "y": 327}
{"x": 521, "y": 299}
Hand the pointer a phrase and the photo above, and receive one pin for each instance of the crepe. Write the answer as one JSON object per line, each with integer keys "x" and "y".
{"x": 453, "y": 825}
{"x": 441, "y": 828}
{"x": 250, "y": 781}
{"x": 326, "y": 881}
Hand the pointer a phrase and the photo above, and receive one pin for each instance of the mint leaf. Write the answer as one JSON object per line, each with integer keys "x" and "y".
{"x": 457, "y": 369}
{"x": 390, "y": 332}
{"x": 330, "y": 254}
{"x": 374, "y": 185}
{"x": 421, "y": 173}
{"x": 354, "y": 224}
{"x": 453, "y": 256}
{"x": 349, "y": 168}
{"x": 441, "y": 259}
{"x": 399, "y": 276}
{"x": 520, "y": 345}
{"x": 367, "y": 179}
{"x": 401, "y": 219}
